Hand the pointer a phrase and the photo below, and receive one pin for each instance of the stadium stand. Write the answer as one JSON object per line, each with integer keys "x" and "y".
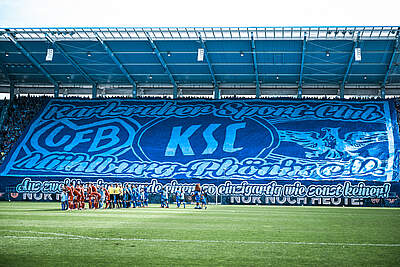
{"x": 124, "y": 146}
{"x": 19, "y": 114}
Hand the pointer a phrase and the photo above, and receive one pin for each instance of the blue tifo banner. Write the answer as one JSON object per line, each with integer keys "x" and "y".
{"x": 209, "y": 141}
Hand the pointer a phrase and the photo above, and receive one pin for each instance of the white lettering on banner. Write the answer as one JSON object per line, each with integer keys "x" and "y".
{"x": 297, "y": 201}
{"x": 252, "y": 168}
{"x": 271, "y": 189}
{"x": 232, "y": 109}
{"x": 182, "y": 139}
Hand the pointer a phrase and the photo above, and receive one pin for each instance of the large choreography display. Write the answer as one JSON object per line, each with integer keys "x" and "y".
{"x": 248, "y": 140}
{"x": 262, "y": 151}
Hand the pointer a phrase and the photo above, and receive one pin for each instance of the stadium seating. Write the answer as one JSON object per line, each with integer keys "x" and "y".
{"x": 19, "y": 114}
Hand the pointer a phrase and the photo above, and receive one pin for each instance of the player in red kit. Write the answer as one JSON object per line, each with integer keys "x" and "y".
{"x": 95, "y": 196}
{"x": 89, "y": 195}
{"x": 70, "y": 196}
{"x": 81, "y": 199}
{"x": 76, "y": 196}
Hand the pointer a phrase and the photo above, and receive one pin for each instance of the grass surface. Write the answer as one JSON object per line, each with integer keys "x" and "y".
{"x": 39, "y": 234}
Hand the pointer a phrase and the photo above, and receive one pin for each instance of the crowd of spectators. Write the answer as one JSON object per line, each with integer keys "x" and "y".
{"x": 19, "y": 114}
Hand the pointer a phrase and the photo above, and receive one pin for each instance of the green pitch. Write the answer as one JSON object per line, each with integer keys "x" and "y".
{"x": 38, "y": 234}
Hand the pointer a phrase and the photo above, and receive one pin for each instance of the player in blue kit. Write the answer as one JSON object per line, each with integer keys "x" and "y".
{"x": 142, "y": 198}
{"x": 180, "y": 198}
{"x": 203, "y": 199}
{"x": 138, "y": 197}
{"x": 164, "y": 198}
{"x": 133, "y": 196}
{"x": 125, "y": 196}
{"x": 146, "y": 196}
{"x": 64, "y": 199}
{"x": 102, "y": 197}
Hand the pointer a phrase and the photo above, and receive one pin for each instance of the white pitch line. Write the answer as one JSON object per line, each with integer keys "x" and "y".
{"x": 42, "y": 233}
{"x": 80, "y": 237}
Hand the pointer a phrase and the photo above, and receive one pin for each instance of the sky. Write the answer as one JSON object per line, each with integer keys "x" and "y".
{"x": 197, "y": 13}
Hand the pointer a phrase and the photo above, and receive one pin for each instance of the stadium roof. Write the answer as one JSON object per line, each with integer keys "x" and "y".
{"x": 248, "y": 61}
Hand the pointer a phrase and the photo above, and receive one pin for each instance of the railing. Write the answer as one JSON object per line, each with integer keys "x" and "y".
{"x": 120, "y": 33}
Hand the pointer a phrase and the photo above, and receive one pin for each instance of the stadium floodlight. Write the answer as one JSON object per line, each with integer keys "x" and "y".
{"x": 200, "y": 54}
{"x": 357, "y": 54}
{"x": 49, "y": 55}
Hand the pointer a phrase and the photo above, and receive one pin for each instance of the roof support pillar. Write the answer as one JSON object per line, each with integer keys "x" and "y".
{"x": 383, "y": 91}
{"x": 341, "y": 91}
{"x": 300, "y": 87}
{"x": 258, "y": 91}
{"x": 253, "y": 52}
{"x": 300, "y": 91}
{"x": 94, "y": 90}
{"x": 217, "y": 93}
{"x": 134, "y": 92}
{"x": 175, "y": 92}
{"x": 12, "y": 91}
{"x": 56, "y": 90}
